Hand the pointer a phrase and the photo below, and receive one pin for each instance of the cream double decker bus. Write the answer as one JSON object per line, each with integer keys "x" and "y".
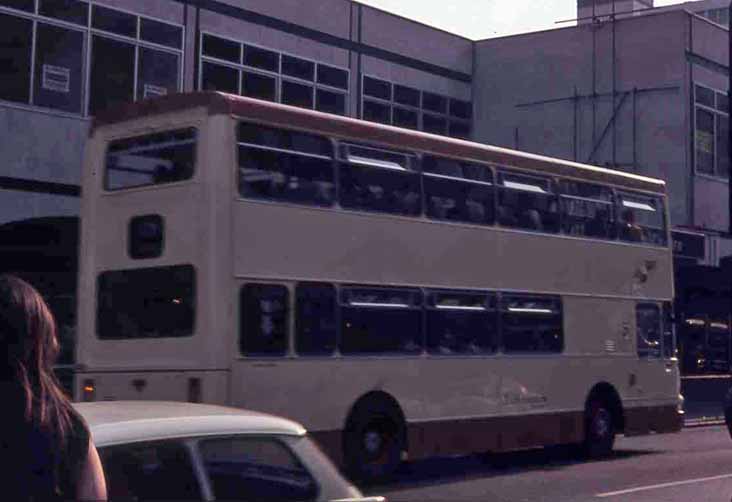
{"x": 401, "y": 294}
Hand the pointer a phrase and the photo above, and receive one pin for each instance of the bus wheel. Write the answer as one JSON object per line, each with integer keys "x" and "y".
{"x": 374, "y": 441}
{"x": 599, "y": 429}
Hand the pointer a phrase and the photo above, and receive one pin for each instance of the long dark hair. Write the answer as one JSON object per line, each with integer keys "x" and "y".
{"x": 28, "y": 334}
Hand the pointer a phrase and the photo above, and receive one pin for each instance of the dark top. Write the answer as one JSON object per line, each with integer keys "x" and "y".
{"x": 33, "y": 467}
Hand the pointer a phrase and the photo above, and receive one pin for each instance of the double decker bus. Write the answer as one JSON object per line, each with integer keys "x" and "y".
{"x": 401, "y": 294}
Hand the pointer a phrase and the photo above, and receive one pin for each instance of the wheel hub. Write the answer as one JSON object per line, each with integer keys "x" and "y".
{"x": 372, "y": 442}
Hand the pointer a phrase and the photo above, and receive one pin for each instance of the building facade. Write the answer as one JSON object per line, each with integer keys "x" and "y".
{"x": 644, "y": 92}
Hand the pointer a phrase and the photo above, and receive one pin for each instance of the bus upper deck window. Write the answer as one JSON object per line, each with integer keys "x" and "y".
{"x": 152, "y": 159}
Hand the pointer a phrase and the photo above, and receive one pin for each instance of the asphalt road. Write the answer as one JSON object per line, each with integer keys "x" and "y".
{"x": 693, "y": 465}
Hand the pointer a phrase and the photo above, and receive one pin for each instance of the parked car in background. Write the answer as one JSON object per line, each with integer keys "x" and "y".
{"x": 156, "y": 450}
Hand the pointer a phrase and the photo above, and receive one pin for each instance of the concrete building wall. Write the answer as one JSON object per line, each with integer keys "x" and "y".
{"x": 43, "y": 147}
{"x": 525, "y": 88}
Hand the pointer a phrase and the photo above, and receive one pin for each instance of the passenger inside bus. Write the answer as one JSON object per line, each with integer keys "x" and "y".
{"x": 631, "y": 230}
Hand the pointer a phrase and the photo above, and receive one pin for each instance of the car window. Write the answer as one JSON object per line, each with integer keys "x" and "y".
{"x": 150, "y": 471}
{"x": 261, "y": 469}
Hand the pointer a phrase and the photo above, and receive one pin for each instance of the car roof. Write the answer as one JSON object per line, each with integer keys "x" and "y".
{"x": 117, "y": 422}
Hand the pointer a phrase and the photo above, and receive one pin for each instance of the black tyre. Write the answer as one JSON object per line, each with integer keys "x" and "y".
{"x": 599, "y": 429}
{"x": 373, "y": 442}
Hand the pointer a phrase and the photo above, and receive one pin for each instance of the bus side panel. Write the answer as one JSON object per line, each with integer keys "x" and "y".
{"x": 194, "y": 386}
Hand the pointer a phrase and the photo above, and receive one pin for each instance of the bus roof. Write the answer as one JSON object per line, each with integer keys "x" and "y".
{"x": 344, "y": 127}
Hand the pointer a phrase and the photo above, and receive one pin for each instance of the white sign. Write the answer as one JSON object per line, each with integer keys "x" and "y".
{"x": 56, "y": 78}
{"x": 150, "y": 91}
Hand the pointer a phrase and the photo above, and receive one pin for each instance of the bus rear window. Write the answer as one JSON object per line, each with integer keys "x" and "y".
{"x": 146, "y": 303}
{"x": 153, "y": 159}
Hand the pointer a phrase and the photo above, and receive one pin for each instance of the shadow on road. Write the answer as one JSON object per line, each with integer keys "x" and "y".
{"x": 445, "y": 470}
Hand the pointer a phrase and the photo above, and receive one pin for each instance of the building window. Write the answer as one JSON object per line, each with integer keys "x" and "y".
{"x": 410, "y": 108}
{"x": 237, "y": 68}
{"x": 42, "y": 55}
{"x": 145, "y": 63}
{"x": 711, "y": 129}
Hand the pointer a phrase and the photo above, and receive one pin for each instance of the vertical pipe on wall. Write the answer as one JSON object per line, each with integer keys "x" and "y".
{"x": 594, "y": 78}
{"x": 197, "y": 48}
{"x": 358, "y": 62}
{"x": 574, "y": 136}
{"x": 635, "y": 120}
{"x": 615, "y": 145}
{"x": 729, "y": 96}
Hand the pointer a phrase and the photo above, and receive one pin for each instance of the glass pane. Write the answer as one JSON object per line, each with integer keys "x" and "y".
{"x": 27, "y": 5}
{"x": 669, "y": 338}
{"x": 461, "y": 323}
{"x": 146, "y": 236}
{"x": 722, "y": 146}
{"x": 461, "y": 109}
{"x": 587, "y": 210}
{"x": 722, "y": 102}
{"x": 285, "y": 139}
{"x": 532, "y": 324}
{"x": 114, "y": 21}
{"x": 146, "y": 303}
{"x": 377, "y": 321}
{"x": 297, "y": 94}
{"x": 152, "y": 471}
{"x": 151, "y": 160}
{"x": 434, "y": 124}
{"x": 704, "y": 96}
{"x": 288, "y": 177}
{"x": 406, "y": 118}
{"x": 112, "y": 74}
{"x": 648, "y": 330}
{"x": 259, "y": 86}
{"x": 59, "y": 55}
{"x": 333, "y": 77}
{"x": 704, "y": 141}
{"x": 216, "y": 77}
{"x": 379, "y": 189}
{"x": 256, "y": 468}
{"x": 376, "y": 88}
{"x": 434, "y": 102}
{"x": 376, "y": 112}
{"x": 330, "y": 102}
{"x": 315, "y": 321}
{"x": 221, "y": 48}
{"x": 299, "y": 68}
{"x": 450, "y": 193}
{"x": 459, "y": 129}
{"x": 642, "y": 219}
{"x": 406, "y": 96}
{"x": 161, "y": 33}
{"x": 261, "y": 58}
{"x": 263, "y": 324}
{"x": 73, "y": 11}
{"x": 15, "y": 47}
{"x": 527, "y": 202}
{"x": 158, "y": 73}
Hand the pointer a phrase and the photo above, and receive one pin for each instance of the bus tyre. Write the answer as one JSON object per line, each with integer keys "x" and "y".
{"x": 599, "y": 429}
{"x": 374, "y": 441}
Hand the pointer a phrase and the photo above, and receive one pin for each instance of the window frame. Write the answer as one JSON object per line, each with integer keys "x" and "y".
{"x": 241, "y": 67}
{"x": 85, "y": 63}
{"x": 716, "y": 112}
{"x": 194, "y": 446}
{"x": 419, "y": 109}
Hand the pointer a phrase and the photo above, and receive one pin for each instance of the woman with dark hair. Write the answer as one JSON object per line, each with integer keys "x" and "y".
{"x": 45, "y": 446}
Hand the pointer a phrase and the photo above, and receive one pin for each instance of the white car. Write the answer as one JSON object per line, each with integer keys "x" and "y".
{"x": 155, "y": 450}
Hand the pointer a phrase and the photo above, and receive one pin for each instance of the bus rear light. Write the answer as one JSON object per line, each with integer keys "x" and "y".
{"x": 88, "y": 391}
{"x": 194, "y": 390}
